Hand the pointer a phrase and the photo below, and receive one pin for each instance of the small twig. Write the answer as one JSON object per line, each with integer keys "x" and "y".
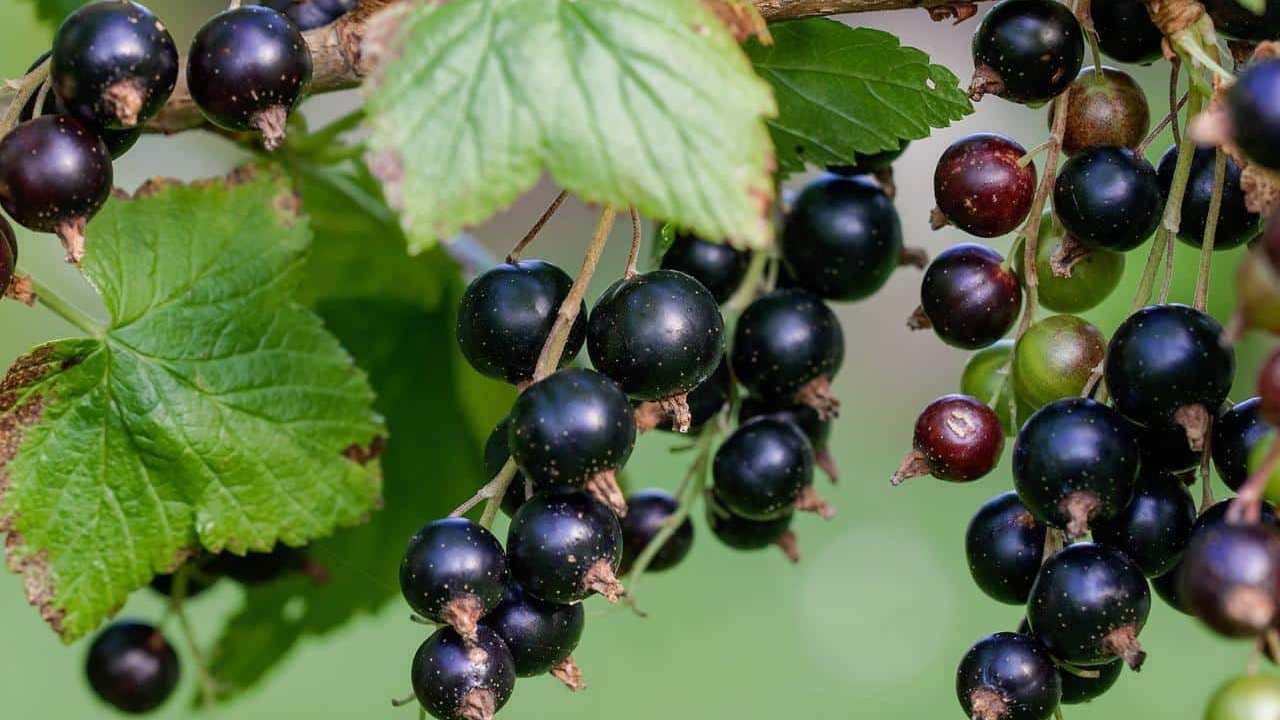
{"x": 1166, "y": 121}
{"x": 29, "y": 85}
{"x": 1206, "y": 489}
{"x": 543, "y": 219}
{"x": 1247, "y": 506}
{"x": 633, "y": 259}
{"x": 1210, "y": 231}
{"x": 1167, "y": 283}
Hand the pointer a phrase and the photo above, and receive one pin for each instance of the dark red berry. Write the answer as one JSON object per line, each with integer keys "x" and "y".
{"x": 1236, "y": 432}
{"x": 1106, "y": 109}
{"x": 787, "y": 347}
{"x": 454, "y": 572}
{"x": 1004, "y": 544}
{"x": 970, "y": 297}
{"x": 1236, "y": 225}
{"x": 1253, "y": 105}
{"x": 455, "y": 679}
{"x": 957, "y": 438}
{"x": 1238, "y": 22}
{"x": 1108, "y": 198}
{"x": 718, "y": 266}
{"x": 1126, "y": 32}
{"x": 762, "y": 469}
{"x": 981, "y": 187}
{"x": 1154, "y": 528}
{"x": 1027, "y": 51}
{"x": 1007, "y": 676}
{"x": 132, "y": 667}
{"x": 1230, "y": 578}
{"x": 540, "y": 635}
{"x": 563, "y": 546}
{"x": 648, "y": 512}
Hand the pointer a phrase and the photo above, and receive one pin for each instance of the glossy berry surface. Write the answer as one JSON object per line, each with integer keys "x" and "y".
{"x": 453, "y": 561}
{"x": 1105, "y": 109}
{"x": 113, "y": 65}
{"x": 808, "y": 420}
{"x": 54, "y": 172}
{"x": 540, "y": 635}
{"x": 647, "y": 514}
{"x": 1108, "y": 198}
{"x": 1248, "y": 697}
{"x": 970, "y": 297}
{"x": 959, "y": 438}
{"x": 784, "y": 341}
{"x": 1154, "y": 528}
{"x": 1054, "y": 359}
{"x": 1007, "y": 676}
{"x": 247, "y": 69}
{"x": 1093, "y": 275}
{"x": 1230, "y": 578}
{"x": 495, "y": 456}
{"x": 118, "y": 142}
{"x": 560, "y": 543}
{"x": 657, "y": 335}
{"x": 761, "y": 469}
{"x": 1126, "y": 32}
{"x": 1253, "y": 104}
{"x": 452, "y": 678}
{"x": 1165, "y": 447}
{"x": 979, "y": 186}
{"x": 1166, "y": 357}
{"x": 312, "y": 14}
{"x": 1075, "y": 461}
{"x": 718, "y": 266}
{"x": 506, "y": 314}
{"x": 1088, "y": 606}
{"x": 132, "y": 667}
{"x": 1236, "y": 225}
{"x": 842, "y": 239}
{"x": 1027, "y": 51}
{"x": 747, "y": 535}
{"x": 1079, "y": 689}
{"x": 571, "y": 426}
{"x": 1235, "y": 21}
{"x": 1236, "y": 432}
{"x": 707, "y": 400}
{"x": 1004, "y": 545}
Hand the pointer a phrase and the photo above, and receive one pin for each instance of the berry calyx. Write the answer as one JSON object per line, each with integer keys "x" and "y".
{"x": 564, "y": 546}
{"x": 118, "y": 142}
{"x": 648, "y": 512}
{"x": 1026, "y": 51}
{"x": 969, "y": 296}
{"x": 1230, "y": 578}
{"x": 1007, "y": 676}
{"x": 787, "y": 347}
{"x": 1126, "y": 32}
{"x": 957, "y": 438}
{"x": 981, "y": 186}
{"x": 1105, "y": 109}
{"x": 751, "y": 535}
{"x": 132, "y": 667}
{"x": 762, "y": 470}
{"x": 1108, "y": 198}
{"x": 1154, "y": 528}
{"x": 1055, "y": 358}
{"x": 454, "y": 572}
{"x": 1236, "y": 225}
{"x": 1004, "y": 544}
{"x": 719, "y": 266}
{"x": 540, "y": 635}
{"x": 705, "y": 402}
{"x": 1236, "y": 432}
{"x": 458, "y": 680}
{"x": 1253, "y": 105}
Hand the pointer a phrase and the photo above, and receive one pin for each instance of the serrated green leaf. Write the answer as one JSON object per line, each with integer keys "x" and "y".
{"x": 843, "y": 91}
{"x": 631, "y": 102}
{"x": 212, "y": 411}
{"x": 54, "y": 11}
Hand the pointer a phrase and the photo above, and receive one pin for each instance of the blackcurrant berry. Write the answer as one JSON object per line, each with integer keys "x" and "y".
{"x": 1026, "y": 51}
{"x": 1248, "y": 697}
{"x": 648, "y": 512}
{"x": 750, "y": 535}
{"x": 969, "y": 296}
{"x": 1088, "y": 606}
{"x": 312, "y": 14}
{"x": 957, "y": 438}
{"x": 540, "y": 635}
{"x": 866, "y": 164}
{"x": 1165, "y": 447}
{"x": 1072, "y": 278}
{"x": 718, "y": 266}
{"x": 984, "y": 378}
{"x": 495, "y": 456}
{"x": 842, "y": 239}
{"x": 1074, "y": 462}
{"x": 8, "y": 255}
{"x": 260, "y": 568}
{"x": 1166, "y": 364}
{"x": 1126, "y": 32}
{"x": 247, "y": 69}
{"x": 1004, "y": 545}
{"x": 506, "y": 314}
{"x": 55, "y": 174}
{"x": 1105, "y": 109}
{"x": 455, "y": 679}
{"x": 1079, "y": 688}
{"x": 705, "y": 401}
{"x": 1237, "y": 22}
{"x": 1055, "y": 358}
{"x": 132, "y": 667}
{"x": 808, "y": 420}
{"x": 202, "y": 572}
{"x": 1253, "y": 104}
{"x": 114, "y": 64}
{"x": 658, "y": 335}
{"x": 563, "y": 546}
{"x": 1007, "y": 676}
{"x": 1169, "y": 587}
{"x": 1108, "y": 198}
{"x": 1236, "y": 225}
{"x": 762, "y": 469}
{"x": 981, "y": 187}
{"x": 454, "y": 572}
{"x": 1230, "y": 578}
{"x": 1236, "y": 432}
{"x": 574, "y": 428}
{"x": 1154, "y": 529}
{"x": 118, "y": 142}
{"x": 786, "y": 347}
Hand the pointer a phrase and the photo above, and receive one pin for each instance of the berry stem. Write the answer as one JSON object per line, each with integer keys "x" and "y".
{"x": 27, "y": 87}
{"x": 208, "y": 688}
{"x": 1247, "y": 506}
{"x": 1167, "y": 284}
{"x": 1175, "y": 104}
{"x": 543, "y": 219}
{"x": 751, "y": 285}
{"x": 1210, "y": 231}
{"x": 64, "y": 309}
{"x": 633, "y": 258}
{"x": 1206, "y": 487}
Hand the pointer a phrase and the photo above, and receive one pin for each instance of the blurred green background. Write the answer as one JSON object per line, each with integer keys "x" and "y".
{"x": 870, "y": 624}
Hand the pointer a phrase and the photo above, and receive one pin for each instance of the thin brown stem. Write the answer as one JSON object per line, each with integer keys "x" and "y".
{"x": 543, "y": 219}
{"x": 549, "y": 359}
{"x": 633, "y": 258}
{"x": 1167, "y": 284}
{"x": 1247, "y": 507}
{"x": 1210, "y": 231}
{"x": 27, "y": 87}
{"x": 1176, "y": 107}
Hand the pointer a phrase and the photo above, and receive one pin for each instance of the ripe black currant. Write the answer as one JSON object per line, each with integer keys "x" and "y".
{"x": 981, "y": 187}
{"x": 118, "y": 142}
{"x": 1165, "y": 447}
{"x": 1236, "y": 225}
{"x": 1055, "y": 358}
{"x": 454, "y": 572}
{"x": 8, "y": 255}
{"x": 718, "y": 266}
{"x": 1088, "y": 606}
{"x": 763, "y": 469}
{"x": 247, "y": 69}
{"x": 506, "y": 314}
{"x": 1154, "y": 529}
{"x": 750, "y": 535}
{"x": 1072, "y": 277}
{"x": 563, "y": 546}
{"x": 1126, "y": 32}
{"x": 132, "y": 667}
{"x": 55, "y": 174}
{"x": 804, "y": 417}
{"x": 1169, "y": 585}
{"x": 648, "y": 512}
{"x": 1105, "y": 109}
{"x": 1007, "y": 676}
{"x": 455, "y": 679}
{"x": 842, "y": 239}
{"x": 969, "y": 296}
{"x": 1004, "y": 545}
{"x": 1236, "y": 432}
{"x": 540, "y": 635}
{"x": 259, "y": 568}
{"x": 1248, "y": 697}
{"x": 1108, "y": 198}
{"x": 1166, "y": 364}
{"x": 957, "y": 438}
{"x": 1253, "y": 104}
{"x": 495, "y": 456}
{"x": 312, "y": 14}
{"x": 1079, "y": 688}
{"x": 866, "y": 164}
{"x": 787, "y": 346}
{"x": 1230, "y": 578}
{"x": 1237, "y": 22}
{"x": 1075, "y": 461}
{"x": 705, "y": 401}
{"x": 114, "y": 64}
{"x": 1026, "y": 51}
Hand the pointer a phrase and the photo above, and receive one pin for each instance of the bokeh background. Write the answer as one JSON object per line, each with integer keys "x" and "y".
{"x": 870, "y": 624}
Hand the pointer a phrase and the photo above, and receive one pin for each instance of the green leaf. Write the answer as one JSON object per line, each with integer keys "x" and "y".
{"x": 843, "y": 91}
{"x": 213, "y": 411}
{"x": 55, "y": 11}
{"x": 648, "y": 103}
{"x": 1257, "y": 7}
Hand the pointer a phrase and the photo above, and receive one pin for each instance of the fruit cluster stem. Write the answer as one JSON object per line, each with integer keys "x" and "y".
{"x": 27, "y": 88}
{"x": 177, "y": 605}
{"x": 543, "y": 219}
{"x": 1210, "y": 231}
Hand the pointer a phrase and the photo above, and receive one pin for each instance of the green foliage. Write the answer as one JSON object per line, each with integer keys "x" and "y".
{"x": 648, "y": 103}
{"x": 1257, "y": 7}
{"x": 54, "y": 11}
{"x": 212, "y": 411}
{"x": 843, "y": 91}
